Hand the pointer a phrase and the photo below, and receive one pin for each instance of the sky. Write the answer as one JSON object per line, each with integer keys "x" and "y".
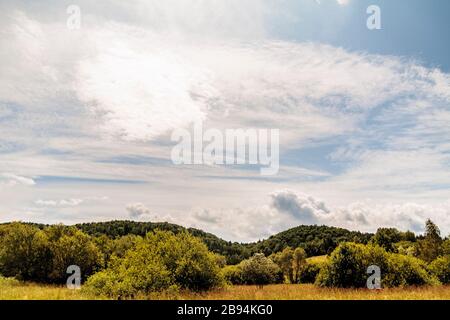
{"x": 86, "y": 114}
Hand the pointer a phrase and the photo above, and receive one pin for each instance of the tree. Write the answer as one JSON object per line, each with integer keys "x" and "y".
{"x": 260, "y": 271}
{"x": 298, "y": 263}
{"x": 70, "y": 246}
{"x": 431, "y": 246}
{"x": 386, "y": 238}
{"x": 284, "y": 260}
{"x": 24, "y": 252}
{"x": 29, "y": 253}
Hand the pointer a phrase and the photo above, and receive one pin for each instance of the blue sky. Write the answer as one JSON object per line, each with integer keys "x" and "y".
{"x": 86, "y": 115}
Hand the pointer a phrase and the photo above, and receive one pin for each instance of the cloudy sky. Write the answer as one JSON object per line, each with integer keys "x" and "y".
{"x": 86, "y": 114}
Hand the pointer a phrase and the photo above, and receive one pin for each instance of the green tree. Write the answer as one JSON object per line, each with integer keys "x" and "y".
{"x": 24, "y": 252}
{"x": 431, "y": 246}
{"x": 70, "y": 246}
{"x": 386, "y": 238}
{"x": 284, "y": 260}
{"x": 298, "y": 263}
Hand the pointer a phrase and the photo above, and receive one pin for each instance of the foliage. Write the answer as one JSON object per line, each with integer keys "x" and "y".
{"x": 24, "y": 252}
{"x": 310, "y": 272}
{"x": 29, "y": 253}
{"x": 316, "y": 240}
{"x": 298, "y": 263}
{"x": 284, "y": 260}
{"x": 386, "y": 238}
{"x": 260, "y": 271}
{"x": 233, "y": 275}
{"x": 430, "y": 247}
{"x": 347, "y": 267}
{"x": 441, "y": 269}
{"x": 161, "y": 261}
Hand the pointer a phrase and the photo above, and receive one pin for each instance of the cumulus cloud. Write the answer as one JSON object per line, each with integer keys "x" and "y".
{"x": 303, "y": 207}
{"x": 288, "y": 209}
{"x": 138, "y": 211}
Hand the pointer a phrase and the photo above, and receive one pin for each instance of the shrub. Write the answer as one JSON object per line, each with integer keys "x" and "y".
{"x": 28, "y": 253}
{"x": 406, "y": 271}
{"x": 309, "y": 272}
{"x": 441, "y": 269}
{"x": 233, "y": 275}
{"x": 347, "y": 267}
{"x": 161, "y": 261}
{"x": 260, "y": 271}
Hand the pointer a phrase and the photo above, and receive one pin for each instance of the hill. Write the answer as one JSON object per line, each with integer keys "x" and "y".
{"x": 316, "y": 240}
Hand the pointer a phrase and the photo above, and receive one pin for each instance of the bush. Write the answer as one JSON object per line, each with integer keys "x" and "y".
{"x": 28, "y": 253}
{"x": 259, "y": 270}
{"x": 309, "y": 272}
{"x": 162, "y": 261}
{"x": 233, "y": 275}
{"x": 406, "y": 271}
{"x": 441, "y": 269}
{"x": 347, "y": 267}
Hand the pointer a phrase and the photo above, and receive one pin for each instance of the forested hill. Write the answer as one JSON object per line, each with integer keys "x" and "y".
{"x": 316, "y": 240}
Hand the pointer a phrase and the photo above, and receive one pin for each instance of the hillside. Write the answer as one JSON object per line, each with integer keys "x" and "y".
{"x": 316, "y": 240}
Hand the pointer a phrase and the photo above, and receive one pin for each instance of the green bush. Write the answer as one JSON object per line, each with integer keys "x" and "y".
{"x": 233, "y": 275}
{"x": 259, "y": 270}
{"x": 406, "y": 271}
{"x": 161, "y": 261}
{"x": 347, "y": 267}
{"x": 29, "y": 253}
{"x": 441, "y": 269}
{"x": 309, "y": 272}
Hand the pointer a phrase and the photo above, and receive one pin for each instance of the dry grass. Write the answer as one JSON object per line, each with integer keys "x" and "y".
{"x": 311, "y": 292}
{"x": 14, "y": 290}
{"x": 11, "y": 289}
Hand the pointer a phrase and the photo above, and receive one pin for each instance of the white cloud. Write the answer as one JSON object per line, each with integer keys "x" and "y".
{"x": 66, "y": 203}
{"x": 288, "y": 209}
{"x": 138, "y": 211}
{"x": 10, "y": 179}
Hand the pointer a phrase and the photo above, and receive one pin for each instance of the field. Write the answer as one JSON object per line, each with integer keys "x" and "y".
{"x": 14, "y": 290}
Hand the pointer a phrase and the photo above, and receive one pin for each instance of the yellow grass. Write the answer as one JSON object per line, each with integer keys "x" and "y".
{"x": 317, "y": 259}
{"x": 311, "y": 292}
{"x": 14, "y": 290}
{"x": 11, "y": 289}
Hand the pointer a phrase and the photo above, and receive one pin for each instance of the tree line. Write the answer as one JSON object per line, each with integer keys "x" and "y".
{"x": 123, "y": 259}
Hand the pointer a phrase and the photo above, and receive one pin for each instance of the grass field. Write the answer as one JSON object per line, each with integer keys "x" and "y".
{"x": 14, "y": 290}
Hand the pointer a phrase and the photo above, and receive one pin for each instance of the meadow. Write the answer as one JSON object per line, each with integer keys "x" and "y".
{"x": 14, "y": 290}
